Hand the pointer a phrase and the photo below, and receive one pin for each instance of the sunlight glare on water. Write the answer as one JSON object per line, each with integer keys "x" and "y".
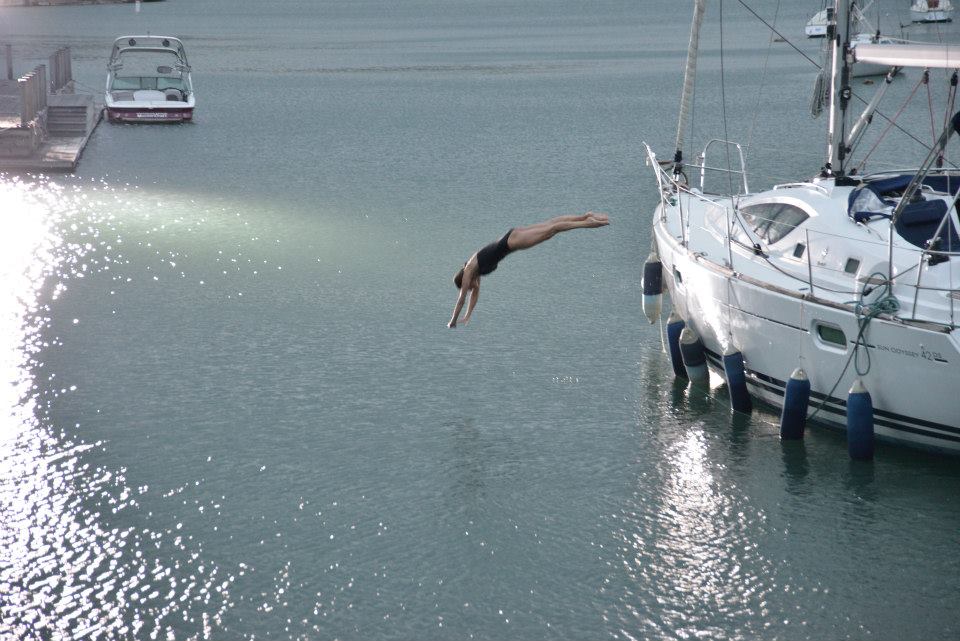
{"x": 66, "y": 569}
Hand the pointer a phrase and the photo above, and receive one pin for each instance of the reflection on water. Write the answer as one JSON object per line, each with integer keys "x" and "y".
{"x": 78, "y": 559}
{"x": 689, "y": 541}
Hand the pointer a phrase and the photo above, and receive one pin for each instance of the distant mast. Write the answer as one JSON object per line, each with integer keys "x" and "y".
{"x": 838, "y": 34}
{"x": 689, "y": 74}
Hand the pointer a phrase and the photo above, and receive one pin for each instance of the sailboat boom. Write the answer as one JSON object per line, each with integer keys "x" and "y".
{"x": 931, "y": 56}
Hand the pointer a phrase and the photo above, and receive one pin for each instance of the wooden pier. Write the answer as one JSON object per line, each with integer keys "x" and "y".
{"x": 44, "y": 123}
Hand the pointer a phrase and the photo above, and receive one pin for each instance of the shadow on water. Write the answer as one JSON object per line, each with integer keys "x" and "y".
{"x": 692, "y": 399}
{"x": 469, "y": 458}
{"x": 796, "y": 466}
{"x": 860, "y": 478}
{"x": 740, "y": 424}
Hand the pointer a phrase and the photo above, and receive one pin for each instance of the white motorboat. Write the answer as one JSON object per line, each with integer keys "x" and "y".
{"x": 148, "y": 80}
{"x": 845, "y": 280}
{"x": 931, "y": 11}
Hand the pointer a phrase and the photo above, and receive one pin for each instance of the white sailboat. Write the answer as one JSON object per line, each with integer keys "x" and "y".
{"x": 817, "y": 25}
{"x": 852, "y": 279}
{"x": 931, "y": 11}
{"x": 864, "y": 32}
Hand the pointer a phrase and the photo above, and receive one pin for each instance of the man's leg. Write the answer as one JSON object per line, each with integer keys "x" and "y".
{"x": 526, "y": 237}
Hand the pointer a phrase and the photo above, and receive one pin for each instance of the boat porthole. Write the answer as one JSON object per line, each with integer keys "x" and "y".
{"x": 832, "y": 336}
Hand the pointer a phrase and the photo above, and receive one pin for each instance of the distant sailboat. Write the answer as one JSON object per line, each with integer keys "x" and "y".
{"x": 817, "y": 25}
{"x": 864, "y": 34}
{"x": 931, "y": 11}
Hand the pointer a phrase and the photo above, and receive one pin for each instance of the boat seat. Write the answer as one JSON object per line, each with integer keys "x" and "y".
{"x": 918, "y": 222}
{"x": 173, "y": 94}
{"x": 148, "y": 94}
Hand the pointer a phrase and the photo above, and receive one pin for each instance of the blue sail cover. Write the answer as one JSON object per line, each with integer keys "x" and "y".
{"x": 919, "y": 221}
{"x": 874, "y": 199}
{"x": 865, "y": 203}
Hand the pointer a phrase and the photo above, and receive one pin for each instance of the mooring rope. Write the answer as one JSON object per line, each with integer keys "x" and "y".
{"x": 885, "y": 303}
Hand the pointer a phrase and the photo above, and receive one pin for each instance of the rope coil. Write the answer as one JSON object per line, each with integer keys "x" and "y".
{"x": 884, "y": 303}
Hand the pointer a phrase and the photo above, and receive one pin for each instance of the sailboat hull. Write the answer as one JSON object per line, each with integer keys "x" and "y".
{"x": 913, "y": 374}
{"x": 931, "y": 16}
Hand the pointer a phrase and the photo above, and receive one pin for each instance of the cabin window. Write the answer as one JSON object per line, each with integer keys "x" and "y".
{"x": 852, "y": 266}
{"x": 798, "y": 250}
{"x": 832, "y": 335}
{"x": 773, "y": 221}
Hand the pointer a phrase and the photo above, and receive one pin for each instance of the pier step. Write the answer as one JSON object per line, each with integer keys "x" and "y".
{"x": 67, "y": 120}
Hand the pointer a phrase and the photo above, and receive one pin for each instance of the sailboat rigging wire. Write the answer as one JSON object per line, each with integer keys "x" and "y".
{"x": 887, "y": 281}
{"x": 818, "y": 66}
{"x": 763, "y": 78}
{"x": 723, "y": 111}
{"x": 767, "y": 260}
{"x": 693, "y": 119}
{"x": 892, "y": 122}
{"x": 780, "y": 35}
{"x": 933, "y": 125}
{"x": 951, "y": 98}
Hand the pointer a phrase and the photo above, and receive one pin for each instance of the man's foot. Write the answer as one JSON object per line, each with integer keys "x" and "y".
{"x": 598, "y": 218}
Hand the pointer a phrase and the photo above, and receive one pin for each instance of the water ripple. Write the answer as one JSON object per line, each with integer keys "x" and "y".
{"x": 80, "y": 559}
{"x": 689, "y": 564}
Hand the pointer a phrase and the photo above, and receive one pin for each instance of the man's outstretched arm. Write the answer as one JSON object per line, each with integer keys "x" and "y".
{"x": 459, "y": 306}
{"x": 474, "y": 295}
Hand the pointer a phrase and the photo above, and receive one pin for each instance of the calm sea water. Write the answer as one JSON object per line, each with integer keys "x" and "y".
{"x": 232, "y": 409}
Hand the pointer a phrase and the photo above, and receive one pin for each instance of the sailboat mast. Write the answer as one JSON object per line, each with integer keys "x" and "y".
{"x": 838, "y": 33}
{"x": 689, "y": 74}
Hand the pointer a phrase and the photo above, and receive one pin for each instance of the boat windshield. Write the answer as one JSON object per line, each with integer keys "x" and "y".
{"x": 134, "y": 83}
{"x": 773, "y": 221}
{"x": 148, "y": 70}
{"x": 148, "y": 63}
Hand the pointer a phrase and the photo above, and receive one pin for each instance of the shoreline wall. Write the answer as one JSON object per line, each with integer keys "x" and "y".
{"x": 49, "y": 3}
